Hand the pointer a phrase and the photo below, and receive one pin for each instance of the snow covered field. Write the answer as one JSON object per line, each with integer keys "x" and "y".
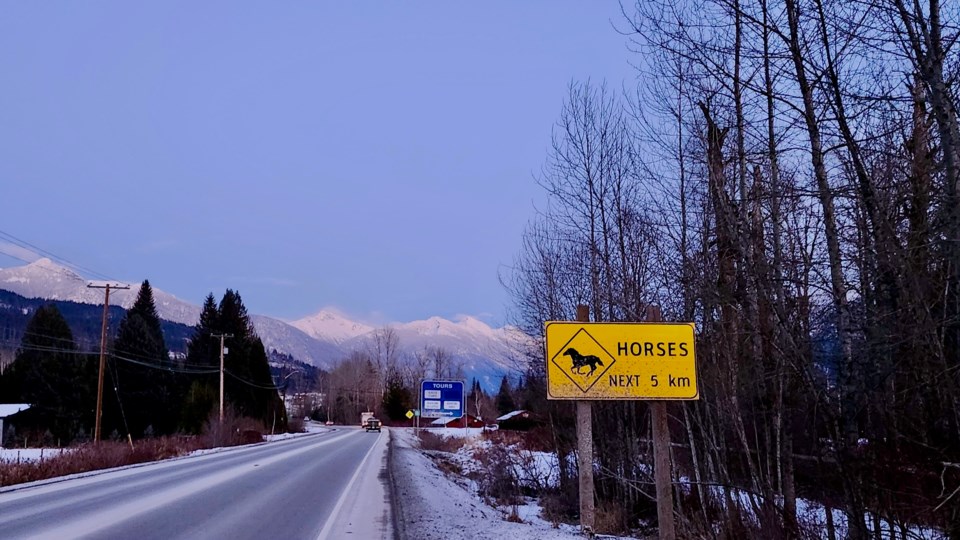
{"x": 28, "y": 454}
{"x": 539, "y": 470}
{"x": 432, "y": 506}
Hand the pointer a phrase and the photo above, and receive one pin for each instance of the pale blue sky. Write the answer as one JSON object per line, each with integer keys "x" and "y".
{"x": 373, "y": 156}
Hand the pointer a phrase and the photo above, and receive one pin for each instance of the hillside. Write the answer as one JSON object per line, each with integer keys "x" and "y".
{"x": 321, "y": 339}
{"x": 84, "y": 319}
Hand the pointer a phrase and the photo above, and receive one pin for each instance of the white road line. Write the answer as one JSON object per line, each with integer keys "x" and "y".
{"x": 97, "y": 521}
{"x": 325, "y": 532}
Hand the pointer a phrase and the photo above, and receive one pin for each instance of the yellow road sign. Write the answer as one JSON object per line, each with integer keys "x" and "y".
{"x": 621, "y": 361}
{"x": 409, "y": 414}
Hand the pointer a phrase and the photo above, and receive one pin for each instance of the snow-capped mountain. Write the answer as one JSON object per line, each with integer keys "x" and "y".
{"x": 322, "y": 339}
{"x": 289, "y": 339}
{"x": 46, "y": 279}
{"x": 486, "y": 353}
{"x": 329, "y": 325}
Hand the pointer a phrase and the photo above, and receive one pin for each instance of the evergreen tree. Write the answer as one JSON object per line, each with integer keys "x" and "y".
{"x": 505, "y": 401}
{"x": 233, "y": 317}
{"x": 249, "y": 387}
{"x": 146, "y": 393}
{"x": 54, "y": 378}
{"x": 397, "y": 399}
{"x": 203, "y": 351}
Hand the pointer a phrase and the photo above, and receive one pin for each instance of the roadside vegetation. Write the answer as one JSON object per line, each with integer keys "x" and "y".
{"x": 786, "y": 175}
{"x": 90, "y": 456}
{"x": 147, "y": 392}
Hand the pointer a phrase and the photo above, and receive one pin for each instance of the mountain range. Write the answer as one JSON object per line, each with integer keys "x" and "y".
{"x": 322, "y": 339}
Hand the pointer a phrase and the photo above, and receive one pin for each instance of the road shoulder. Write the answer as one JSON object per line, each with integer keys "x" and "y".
{"x": 430, "y": 506}
{"x": 363, "y": 510}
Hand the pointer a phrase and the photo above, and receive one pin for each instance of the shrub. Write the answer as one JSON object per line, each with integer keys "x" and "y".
{"x": 295, "y": 425}
{"x": 610, "y": 517}
{"x": 498, "y": 480}
{"x": 432, "y": 441}
{"x": 90, "y": 457}
{"x": 558, "y": 507}
{"x": 233, "y": 431}
{"x": 117, "y": 453}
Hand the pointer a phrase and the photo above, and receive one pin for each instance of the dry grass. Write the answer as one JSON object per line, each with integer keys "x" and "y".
{"x": 296, "y": 425}
{"x": 108, "y": 454}
{"x": 432, "y": 441}
{"x": 91, "y": 457}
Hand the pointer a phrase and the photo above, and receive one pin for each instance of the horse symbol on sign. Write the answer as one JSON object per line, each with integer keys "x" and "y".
{"x": 581, "y": 361}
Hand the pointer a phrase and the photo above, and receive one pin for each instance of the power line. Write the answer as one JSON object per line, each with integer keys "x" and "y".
{"x": 116, "y": 389}
{"x": 255, "y": 385}
{"x": 43, "y": 348}
{"x": 137, "y": 359}
{"x": 129, "y": 356}
{"x": 172, "y": 369}
{"x": 31, "y": 247}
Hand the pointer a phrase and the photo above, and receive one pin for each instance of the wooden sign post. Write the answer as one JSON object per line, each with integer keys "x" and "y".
{"x": 585, "y": 450}
{"x": 651, "y": 360}
{"x": 661, "y": 457}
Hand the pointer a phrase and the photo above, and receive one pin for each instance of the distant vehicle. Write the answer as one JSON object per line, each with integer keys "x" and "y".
{"x": 372, "y": 424}
{"x": 364, "y": 416}
{"x": 329, "y": 422}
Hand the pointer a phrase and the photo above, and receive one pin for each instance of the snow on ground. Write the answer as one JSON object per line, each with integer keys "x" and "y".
{"x": 432, "y": 506}
{"x": 812, "y": 516}
{"x": 540, "y": 470}
{"x": 533, "y": 469}
{"x": 308, "y": 428}
{"x": 28, "y": 454}
{"x": 455, "y": 432}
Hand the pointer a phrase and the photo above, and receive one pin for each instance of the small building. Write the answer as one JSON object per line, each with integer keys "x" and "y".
{"x": 10, "y": 409}
{"x": 457, "y": 422}
{"x": 520, "y": 420}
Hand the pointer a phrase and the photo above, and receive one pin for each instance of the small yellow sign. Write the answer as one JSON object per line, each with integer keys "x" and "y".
{"x": 589, "y": 361}
{"x": 409, "y": 414}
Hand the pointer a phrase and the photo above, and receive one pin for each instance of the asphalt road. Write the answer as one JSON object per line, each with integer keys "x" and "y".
{"x": 295, "y": 489}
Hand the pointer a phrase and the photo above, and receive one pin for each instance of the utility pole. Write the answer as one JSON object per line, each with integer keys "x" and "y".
{"x": 103, "y": 348}
{"x": 222, "y": 337}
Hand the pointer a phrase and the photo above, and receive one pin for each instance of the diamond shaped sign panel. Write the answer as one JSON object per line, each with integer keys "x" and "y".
{"x": 583, "y": 360}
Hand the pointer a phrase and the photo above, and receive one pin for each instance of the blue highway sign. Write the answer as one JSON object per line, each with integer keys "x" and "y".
{"x": 441, "y": 399}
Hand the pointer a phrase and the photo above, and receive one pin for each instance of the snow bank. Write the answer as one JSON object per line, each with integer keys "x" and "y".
{"x": 469, "y": 434}
{"x": 309, "y": 427}
{"x": 812, "y": 516}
